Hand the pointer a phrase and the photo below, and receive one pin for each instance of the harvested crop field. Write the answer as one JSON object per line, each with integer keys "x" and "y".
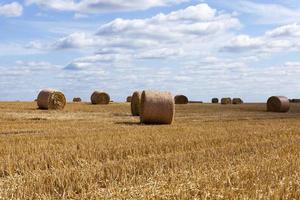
{"x": 87, "y": 151}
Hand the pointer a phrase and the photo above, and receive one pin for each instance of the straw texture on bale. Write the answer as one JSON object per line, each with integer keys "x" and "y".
{"x": 100, "y": 98}
{"x": 76, "y": 99}
{"x": 128, "y": 99}
{"x": 237, "y": 101}
{"x": 157, "y": 107}
{"x": 214, "y": 100}
{"x": 181, "y": 99}
{"x": 225, "y": 101}
{"x": 278, "y": 104}
{"x": 51, "y": 99}
{"x": 136, "y": 103}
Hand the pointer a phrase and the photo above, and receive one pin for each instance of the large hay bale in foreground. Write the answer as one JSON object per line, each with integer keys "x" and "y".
{"x": 237, "y": 101}
{"x": 136, "y": 103}
{"x": 157, "y": 107}
{"x": 51, "y": 99}
{"x": 278, "y": 104}
{"x": 100, "y": 98}
{"x": 77, "y": 99}
{"x": 128, "y": 99}
{"x": 226, "y": 101}
{"x": 214, "y": 100}
{"x": 181, "y": 99}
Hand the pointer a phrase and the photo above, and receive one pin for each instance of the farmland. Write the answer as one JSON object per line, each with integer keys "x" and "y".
{"x": 102, "y": 152}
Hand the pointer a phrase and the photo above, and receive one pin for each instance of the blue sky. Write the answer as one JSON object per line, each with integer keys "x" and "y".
{"x": 199, "y": 48}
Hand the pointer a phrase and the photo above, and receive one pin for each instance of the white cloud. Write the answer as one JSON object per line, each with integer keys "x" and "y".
{"x": 101, "y": 6}
{"x": 284, "y": 38}
{"x": 267, "y": 13}
{"x": 75, "y": 40}
{"x": 290, "y": 30}
{"x": 13, "y": 9}
{"x": 184, "y": 32}
{"x": 162, "y": 53}
{"x": 244, "y": 43}
{"x": 199, "y": 20}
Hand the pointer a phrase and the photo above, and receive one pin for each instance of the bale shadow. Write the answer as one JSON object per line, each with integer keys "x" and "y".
{"x": 128, "y": 123}
{"x": 140, "y": 124}
{"x": 38, "y": 119}
{"x": 20, "y": 132}
{"x": 121, "y": 115}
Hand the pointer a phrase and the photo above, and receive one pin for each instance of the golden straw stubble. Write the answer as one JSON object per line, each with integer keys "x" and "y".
{"x": 136, "y": 103}
{"x": 157, "y": 107}
{"x": 51, "y": 99}
{"x": 100, "y": 98}
{"x": 278, "y": 104}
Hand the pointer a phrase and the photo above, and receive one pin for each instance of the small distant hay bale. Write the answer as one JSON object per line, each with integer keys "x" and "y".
{"x": 237, "y": 101}
{"x": 181, "y": 99}
{"x": 51, "y": 99}
{"x": 100, "y": 98}
{"x": 226, "y": 101}
{"x": 157, "y": 107}
{"x": 77, "y": 99}
{"x": 278, "y": 104}
{"x": 136, "y": 103}
{"x": 214, "y": 100}
{"x": 128, "y": 99}
{"x": 295, "y": 100}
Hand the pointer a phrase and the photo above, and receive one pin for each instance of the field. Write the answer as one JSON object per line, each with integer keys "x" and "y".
{"x": 102, "y": 152}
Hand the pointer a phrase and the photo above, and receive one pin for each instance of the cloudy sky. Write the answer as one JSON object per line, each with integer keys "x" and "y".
{"x": 204, "y": 49}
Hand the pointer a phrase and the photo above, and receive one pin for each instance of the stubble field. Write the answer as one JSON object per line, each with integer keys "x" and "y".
{"x": 102, "y": 152}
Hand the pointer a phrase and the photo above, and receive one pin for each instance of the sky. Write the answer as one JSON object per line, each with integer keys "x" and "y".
{"x": 199, "y": 48}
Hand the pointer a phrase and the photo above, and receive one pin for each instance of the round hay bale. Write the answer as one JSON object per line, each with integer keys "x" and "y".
{"x": 157, "y": 107}
{"x": 51, "y": 99}
{"x": 237, "y": 101}
{"x": 100, "y": 98}
{"x": 76, "y": 99}
{"x": 128, "y": 99}
{"x": 226, "y": 101}
{"x": 214, "y": 100}
{"x": 278, "y": 104}
{"x": 136, "y": 103}
{"x": 181, "y": 99}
